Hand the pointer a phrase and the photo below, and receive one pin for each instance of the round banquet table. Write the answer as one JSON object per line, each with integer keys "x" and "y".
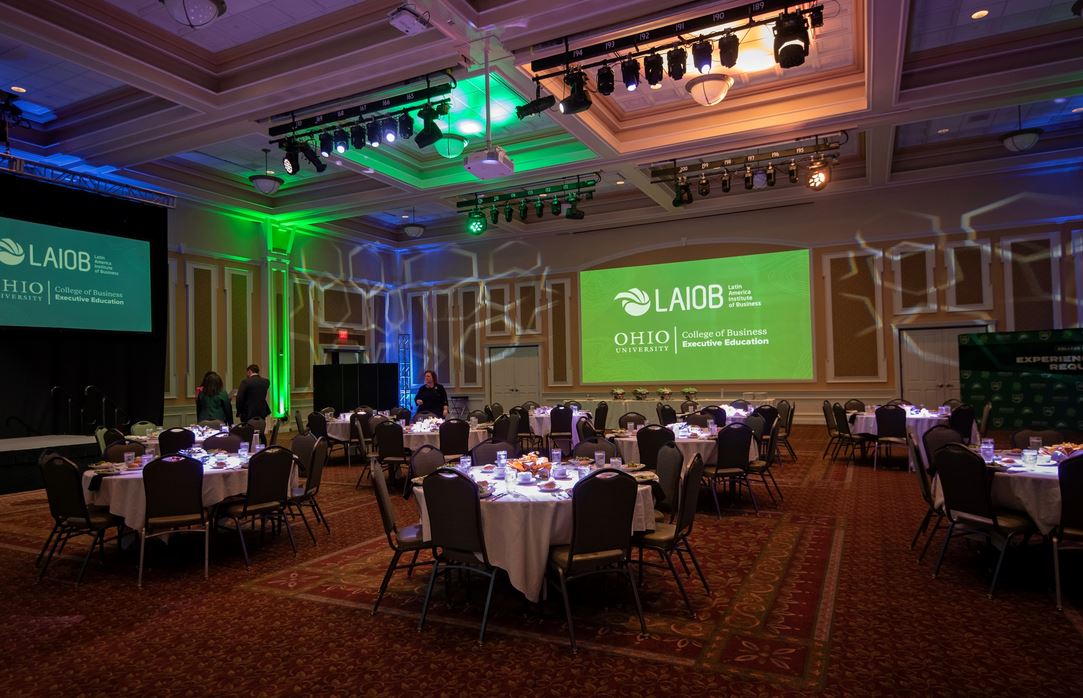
{"x": 916, "y": 426}
{"x": 706, "y": 447}
{"x": 540, "y": 423}
{"x": 126, "y": 498}
{"x": 1034, "y": 489}
{"x": 414, "y": 441}
{"x": 520, "y": 524}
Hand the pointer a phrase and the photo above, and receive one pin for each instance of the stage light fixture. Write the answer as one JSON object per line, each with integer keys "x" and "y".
{"x": 509, "y": 212}
{"x": 372, "y": 134}
{"x": 1077, "y": 8}
{"x": 523, "y": 209}
{"x": 536, "y": 106}
{"x": 791, "y": 40}
{"x": 701, "y": 56}
{"x": 476, "y": 223}
{"x": 577, "y": 100}
{"x": 388, "y": 130}
{"x": 357, "y": 137}
{"x": 652, "y": 68}
{"x": 728, "y": 48}
{"x": 494, "y": 214}
{"x": 312, "y": 157}
{"x": 291, "y": 161}
{"x": 816, "y": 16}
{"x": 726, "y": 184}
{"x": 704, "y": 187}
{"x": 325, "y": 145}
{"x": 443, "y": 108}
{"x": 406, "y": 125}
{"x": 430, "y": 132}
{"x": 342, "y": 144}
{"x": 791, "y": 170}
{"x": 606, "y": 80}
{"x": 770, "y": 174}
{"x": 677, "y": 63}
{"x": 554, "y": 206}
{"x": 750, "y": 179}
{"x": 573, "y": 213}
{"x": 684, "y": 193}
{"x": 819, "y": 174}
{"x": 539, "y": 208}
{"x": 629, "y": 72}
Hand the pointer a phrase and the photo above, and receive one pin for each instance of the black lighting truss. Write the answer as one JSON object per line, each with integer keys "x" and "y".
{"x": 819, "y": 146}
{"x": 578, "y": 184}
{"x": 628, "y": 46}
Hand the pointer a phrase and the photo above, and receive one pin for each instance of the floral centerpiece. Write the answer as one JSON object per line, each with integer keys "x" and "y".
{"x": 640, "y": 393}
{"x": 617, "y": 393}
{"x": 664, "y": 393}
{"x": 689, "y": 393}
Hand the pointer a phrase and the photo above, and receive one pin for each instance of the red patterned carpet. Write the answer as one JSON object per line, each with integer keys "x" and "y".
{"x": 819, "y": 596}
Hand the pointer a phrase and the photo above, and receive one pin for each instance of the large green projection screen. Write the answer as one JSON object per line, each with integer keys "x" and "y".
{"x": 734, "y": 319}
{"x": 58, "y": 277}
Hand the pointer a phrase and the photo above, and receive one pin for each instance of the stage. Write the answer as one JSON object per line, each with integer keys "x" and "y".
{"x": 19, "y": 457}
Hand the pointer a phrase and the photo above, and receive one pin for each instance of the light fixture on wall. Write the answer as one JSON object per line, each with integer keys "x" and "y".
{"x": 195, "y": 14}
{"x": 1022, "y": 139}
{"x": 266, "y": 183}
{"x": 710, "y": 89}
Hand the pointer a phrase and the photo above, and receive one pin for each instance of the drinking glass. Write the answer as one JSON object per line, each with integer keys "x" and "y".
{"x": 599, "y": 459}
{"x": 987, "y": 450}
{"x": 465, "y": 462}
{"x": 615, "y": 462}
{"x": 501, "y": 457}
{"x": 243, "y": 450}
{"x": 473, "y": 422}
{"x": 1030, "y": 456}
{"x": 129, "y": 459}
{"x": 554, "y": 455}
{"x": 1035, "y": 442}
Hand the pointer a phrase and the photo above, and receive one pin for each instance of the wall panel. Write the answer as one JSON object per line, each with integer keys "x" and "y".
{"x": 854, "y": 314}
{"x": 443, "y": 321}
{"x": 560, "y": 336}
{"x": 301, "y": 331}
{"x": 202, "y": 305}
{"x": 239, "y": 325}
{"x": 469, "y": 338}
{"x": 1032, "y": 281}
{"x": 968, "y": 283}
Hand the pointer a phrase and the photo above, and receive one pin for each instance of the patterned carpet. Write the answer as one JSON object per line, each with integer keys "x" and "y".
{"x": 818, "y": 596}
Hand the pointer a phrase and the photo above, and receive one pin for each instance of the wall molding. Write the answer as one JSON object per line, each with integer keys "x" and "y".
{"x": 986, "y": 279}
{"x": 878, "y": 312}
{"x": 1053, "y": 238}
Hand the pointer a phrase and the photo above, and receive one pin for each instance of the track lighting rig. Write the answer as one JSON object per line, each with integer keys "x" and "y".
{"x": 558, "y": 196}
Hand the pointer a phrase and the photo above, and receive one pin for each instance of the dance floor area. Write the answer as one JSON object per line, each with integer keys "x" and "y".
{"x": 820, "y": 595}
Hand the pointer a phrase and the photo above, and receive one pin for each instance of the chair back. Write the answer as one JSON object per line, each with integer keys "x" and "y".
{"x": 301, "y": 428}
{"x": 374, "y": 422}
{"x": 734, "y": 445}
{"x": 670, "y": 462}
{"x": 513, "y": 428}
{"x": 258, "y": 424}
{"x": 854, "y": 405}
{"x": 303, "y": 447}
{"x": 666, "y": 413}
{"x": 114, "y": 452}
{"x": 143, "y": 428}
{"x": 829, "y": 419}
{"x": 716, "y": 413}
{"x": 1021, "y": 439}
{"x": 842, "y": 422}
{"x": 983, "y": 424}
{"x": 210, "y": 423}
{"x": 785, "y": 409}
{"x": 317, "y": 424}
{"x": 935, "y": 439}
{"x": 769, "y": 415}
{"x": 965, "y": 481}
{"x": 389, "y": 443}
{"x": 962, "y": 421}
{"x": 64, "y": 488}
{"x": 757, "y": 424}
{"x": 269, "y": 476}
{"x": 454, "y": 508}
{"x": 899, "y": 402}
{"x": 274, "y": 432}
{"x": 650, "y": 439}
{"x": 502, "y": 428}
{"x": 891, "y": 421}
{"x": 488, "y": 413}
{"x": 920, "y": 469}
{"x": 497, "y": 409}
{"x": 402, "y": 415}
{"x": 522, "y": 413}
{"x": 585, "y": 429}
{"x": 1070, "y": 471}
{"x": 231, "y": 443}
{"x": 422, "y": 415}
{"x": 363, "y": 422}
{"x": 601, "y": 413}
{"x": 383, "y": 502}
{"x": 689, "y": 406}
{"x": 244, "y": 432}
{"x": 739, "y": 404}
{"x": 697, "y": 420}
{"x": 328, "y": 411}
{"x": 630, "y": 418}
{"x": 173, "y": 486}
{"x": 573, "y": 403}
{"x": 454, "y": 438}
{"x": 560, "y": 420}
{"x": 603, "y": 504}
{"x": 478, "y": 415}
{"x": 689, "y": 496}
{"x": 485, "y": 452}
{"x": 425, "y": 460}
{"x": 952, "y": 403}
{"x": 529, "y": 405}
{"x": 586, "y": 448}
{"x": 772, "y": 440}
{"x": 175, "y": 440}
{"x": 316, "y": 465}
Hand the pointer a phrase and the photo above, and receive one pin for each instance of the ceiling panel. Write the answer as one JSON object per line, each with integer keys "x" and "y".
{"x": 51, "y": 83}
{"x": 1049, "y": 115}
{"x": 937, "y": 23}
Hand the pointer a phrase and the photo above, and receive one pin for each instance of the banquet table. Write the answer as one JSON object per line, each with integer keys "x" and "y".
{"x": 540, "y": 423}
{"x": 706, "y": 446}
{"x": 916, "y": 425}
{"x": 123, "y": 493}
{"x": 1034, "y": 489}
{"x": 340, "y": 429}
{"x": 520, "y": 523}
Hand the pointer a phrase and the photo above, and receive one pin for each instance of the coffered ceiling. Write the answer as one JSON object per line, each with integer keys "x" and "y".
{"x": 923, "y": 91}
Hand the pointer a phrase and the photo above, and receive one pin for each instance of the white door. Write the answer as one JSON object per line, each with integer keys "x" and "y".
{"x": 514, "y": 375}
{"x": 929, "y": 359}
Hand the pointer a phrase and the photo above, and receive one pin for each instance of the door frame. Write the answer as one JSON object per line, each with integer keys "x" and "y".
{"x": 897, "y": 330}
{"x": 489, "y": 372}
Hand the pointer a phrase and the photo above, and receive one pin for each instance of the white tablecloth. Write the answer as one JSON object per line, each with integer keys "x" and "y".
{"x": 916, "y": 426}
{"x": 414, "y": 441}
{"x": 707, "y": 448}
{"x": 126, "y": 498}
{"x": 1035, "y": 490}
{"x": 520, "y": 528}
{"x": 541, "y": 423}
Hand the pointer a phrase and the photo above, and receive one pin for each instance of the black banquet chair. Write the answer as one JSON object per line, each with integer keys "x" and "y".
{"x": 650, "y": 439}
{"x": 71, "y": 514}
{"x": 407, "y": 539}
{"x": 267, "y": 495}
{"x": 173, "y": 486}
{"x": 175, "y": 440}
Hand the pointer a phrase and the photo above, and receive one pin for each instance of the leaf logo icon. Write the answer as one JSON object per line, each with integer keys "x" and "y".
{"x": 634, "y": 301}
{"x": 11, "y": 252}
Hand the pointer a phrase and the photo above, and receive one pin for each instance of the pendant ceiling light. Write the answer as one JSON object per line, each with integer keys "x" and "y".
{"x": 195, "y": 13}
{"x": 450, "y": 145}
{"x": 1021, "y": 139}
{"x": 709, "y": 89}
{"x": 267, "y": 183}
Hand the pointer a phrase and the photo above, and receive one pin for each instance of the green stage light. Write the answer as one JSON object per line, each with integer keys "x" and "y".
{"x": 476, "y": 224}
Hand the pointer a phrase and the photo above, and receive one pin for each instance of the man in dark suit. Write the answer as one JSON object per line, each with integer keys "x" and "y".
{"x": 252, "y": 396}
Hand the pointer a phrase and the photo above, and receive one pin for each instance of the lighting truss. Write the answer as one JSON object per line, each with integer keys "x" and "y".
{"x": 85, "y": 182}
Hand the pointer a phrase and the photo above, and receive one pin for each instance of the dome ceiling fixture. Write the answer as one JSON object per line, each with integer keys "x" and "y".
{"x": 195, "y": 14}
{"x": 266, "y": 183}
{"x": 710, "y": 89}
{"x": 1022, "y": 139}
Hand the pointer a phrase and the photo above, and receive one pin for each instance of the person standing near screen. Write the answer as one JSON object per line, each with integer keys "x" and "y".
{"x": 212, "y": 400}
{"x": 431, "y": 397}
{"x": 252, "y": 396}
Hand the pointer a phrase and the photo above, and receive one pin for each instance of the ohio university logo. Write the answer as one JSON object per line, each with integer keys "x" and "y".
{"x": 635, "y": 301}
{"x": 11, "y": 252}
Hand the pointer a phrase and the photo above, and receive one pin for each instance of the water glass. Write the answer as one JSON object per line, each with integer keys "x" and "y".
{"x": 712, "y": 428}
{"x": 146, "y": 458}
{"x": 1030, "y": 456}
{"x": 473, "y": 422}
{"x": 500, "y": 473}
{"x": 242, "y": 451}
{"x": 599, "y": 459}
{"x": 501, "y": 457}
{"x": 987, "y": 450}
{"x": 554, "y": 455}
{"x": 615, "y": 462}
{"x": 129, "y": 459}
{"x": 1035, "y": 442}
{"x": 465, "y": 462}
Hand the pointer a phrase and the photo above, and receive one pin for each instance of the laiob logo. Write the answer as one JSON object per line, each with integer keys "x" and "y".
{"x": 635, "y": 301}
{"x": 11, "y": 252}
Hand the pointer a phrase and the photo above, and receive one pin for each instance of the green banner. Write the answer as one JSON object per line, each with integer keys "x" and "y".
{"x": 58, "y": 277}
{"x": 1032, "y": 379}
{"x": 734, "y": 318}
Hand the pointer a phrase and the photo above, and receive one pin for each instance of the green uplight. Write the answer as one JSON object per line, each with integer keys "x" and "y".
{"x": 476, "y": 223}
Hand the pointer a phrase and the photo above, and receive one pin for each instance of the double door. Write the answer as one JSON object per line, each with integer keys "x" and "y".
{"x": 929, "y": 360}
{"x": 514, "y": 375}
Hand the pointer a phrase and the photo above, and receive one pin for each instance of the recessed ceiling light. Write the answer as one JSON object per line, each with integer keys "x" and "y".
{"x": 620, "y": 181}
{"x": 19, "y": 89}
{"x": 1060, "y": 100}
{"x": 406, "y": 216}
{"x": 942, "y": 131}
{"x": 979, "y": 14}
